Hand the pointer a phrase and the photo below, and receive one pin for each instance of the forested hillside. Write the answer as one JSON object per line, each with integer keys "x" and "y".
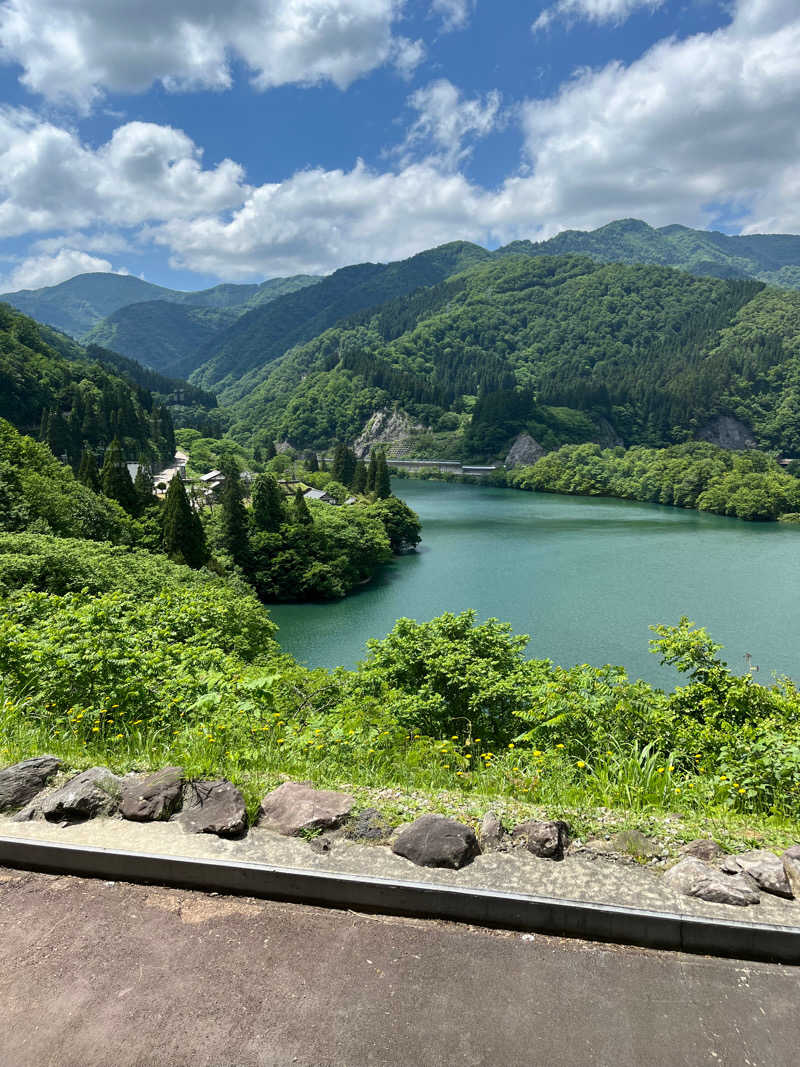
{"x": 234, "y": 361}
{"x": 773, "y": 258}
{"x": 51, "y": 388}
{"x": 527, "y": 342}
{"x": 77, "y": 305}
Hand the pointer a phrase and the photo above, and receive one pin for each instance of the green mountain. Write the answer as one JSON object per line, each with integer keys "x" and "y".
{"x": 234, "y": 361}
{"x": 77, "y": 305}
{"x": 773, "y": 258}
{"x": 52, "y": 388}
{"x": 563, "y": 346}
{"x": 162, "y": 335}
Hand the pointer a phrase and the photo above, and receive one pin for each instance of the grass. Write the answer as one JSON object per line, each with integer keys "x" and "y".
{"x": 672, "y": 798}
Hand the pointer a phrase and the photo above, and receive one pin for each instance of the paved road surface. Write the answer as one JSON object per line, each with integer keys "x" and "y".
{"x": 95, "y": 973}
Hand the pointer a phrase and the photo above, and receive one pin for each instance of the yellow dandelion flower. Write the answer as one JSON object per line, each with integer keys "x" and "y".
{"x": 559, "y": 746}
{"x": 95, "y": 729}
{"x": 580, "y": 764}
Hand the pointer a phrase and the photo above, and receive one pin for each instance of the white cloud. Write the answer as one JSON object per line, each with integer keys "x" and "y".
{"x": 691, "y": 125}
{"x": 445, "y": 121}
{"x": 37, "y": 271}
{"x": 78, "y": 50}
{"x": 319, "y": 220}
{"x": 455, "y": 13}
{"x": 616, "y": 11}
{"x": 50, "y": 180}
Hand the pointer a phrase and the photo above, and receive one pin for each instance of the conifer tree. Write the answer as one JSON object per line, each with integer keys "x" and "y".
{"x": 182, "y": 534}
{"x": 143, "y": 484}
{"x": 372, "y": 471}
{"x": 234, "y": 515}
{"x": 383, "y": 485}
{"x": 271, "y": 451}
{"x": 360, "y": 477}
{"x": 312, "y": 462}
{"x": 301, "y": 513}
{"x": 88, "y": 473}
{"x": 267, "y": 508}
{"x": 339, "y": 463}
{"x": 116, "y": 480}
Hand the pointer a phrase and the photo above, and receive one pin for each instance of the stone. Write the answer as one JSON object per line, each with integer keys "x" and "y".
{"x": 764, "y": 867}
{"x": 524, "y": 452}
{"x": 320, "y": 844}
{"x": 703, "y": 849}
{"x": 90, "y": 793}
{"x": 434, "y": 841}
{"x": 21, "y": 782}
{"x": 156, "y": 797}
{"x": 213, "y": 808}
{"x": 368, "y": 825}
{"x": 791, "y": 864}
{"x": 635, "y": 843}
{"x": 694, "y": 878}
{"x": 546, "y": 839}
{"x": 492, "y": 835}
{"x": 297, "y": 806}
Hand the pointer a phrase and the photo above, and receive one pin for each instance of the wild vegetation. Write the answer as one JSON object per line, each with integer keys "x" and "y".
{"x": 744, "y": 485}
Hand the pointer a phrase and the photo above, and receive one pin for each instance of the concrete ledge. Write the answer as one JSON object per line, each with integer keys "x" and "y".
{"x": 563, "y": 918}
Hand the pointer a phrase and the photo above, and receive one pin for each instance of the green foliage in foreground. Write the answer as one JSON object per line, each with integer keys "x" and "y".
{"x": 37, "y": 491}
{"x": 746, "y": 485}
{"x": 103, "y": 659}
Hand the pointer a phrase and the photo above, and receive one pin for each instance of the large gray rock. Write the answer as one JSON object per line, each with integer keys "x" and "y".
{"x": 90, "y": 793}
{"x": 694, "y": 878}
{"x": 154, "y": 797}
{"x": 791, "y": 864}
{"x": 725, "y": 431}
{"x": 764, "y": 867}
{"x": 544, "y": 838}
{"x": 434, "y": 841}
{"x": 21, "y": 782}
{"x": 213, "y": 808}
{"x": 297, "y": 806}
{"x": 524, "y": 452}
{"x": 703, "y": 849}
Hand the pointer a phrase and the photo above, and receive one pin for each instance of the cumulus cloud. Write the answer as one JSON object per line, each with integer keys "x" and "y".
{"x": 50, "y": 180}
{"x": 691, "y": 126}
{"x": 569, "y": 11}
{"x": 37, "y": 271}
{"x": 80, "y": 49}
{"x": 455, "y": 13}
{"x": 445, "y": 121}
{"x": 318, "y": 220}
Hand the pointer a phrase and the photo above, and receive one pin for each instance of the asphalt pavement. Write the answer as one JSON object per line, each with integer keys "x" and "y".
{"x": 95, "y": 973}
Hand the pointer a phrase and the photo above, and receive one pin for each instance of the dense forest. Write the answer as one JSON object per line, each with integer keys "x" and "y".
{"x": 644, "y": 354}
{"x": 744, "y": 485}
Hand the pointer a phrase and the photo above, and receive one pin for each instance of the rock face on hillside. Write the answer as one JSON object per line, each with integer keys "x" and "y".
{"x": 385, "y": 427}
{"x": 727, "y": 432}
{"x": 524, "y": 452}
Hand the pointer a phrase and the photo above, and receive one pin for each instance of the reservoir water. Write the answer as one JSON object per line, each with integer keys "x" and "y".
{"x": 585, "y": 577}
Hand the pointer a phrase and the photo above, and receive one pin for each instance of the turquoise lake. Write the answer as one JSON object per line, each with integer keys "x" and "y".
{"x": 585, "y": 577}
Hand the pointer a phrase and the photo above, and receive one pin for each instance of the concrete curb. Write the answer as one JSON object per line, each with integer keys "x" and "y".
{"x": 562, "y": 918}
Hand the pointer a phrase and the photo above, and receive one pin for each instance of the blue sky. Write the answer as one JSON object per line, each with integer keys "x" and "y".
{"x": 190, "y": 141}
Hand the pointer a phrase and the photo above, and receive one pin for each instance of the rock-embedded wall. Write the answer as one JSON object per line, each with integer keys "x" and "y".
{"x": 524, "y": 452}
{"x": 385, "y": 427}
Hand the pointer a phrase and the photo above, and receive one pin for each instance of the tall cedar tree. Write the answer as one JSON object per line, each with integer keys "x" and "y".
{"x": 312, "y": 462}
{"x": 372, "y": 471}
{"x": 267, "y": 510}
{"x": 271, "y": 451}
{"x": 302, "y": 515}
{"x": 360, "y": 477}
{"x": 116, "y": 480}
{"x": 143, "y": 484}
{"x": 182, "y": 534}
{"x": 234, "y": 515}
{"x": 344, "y": 465}
{"x": 383, "y": 485}
{"x": 88, "y": 473}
